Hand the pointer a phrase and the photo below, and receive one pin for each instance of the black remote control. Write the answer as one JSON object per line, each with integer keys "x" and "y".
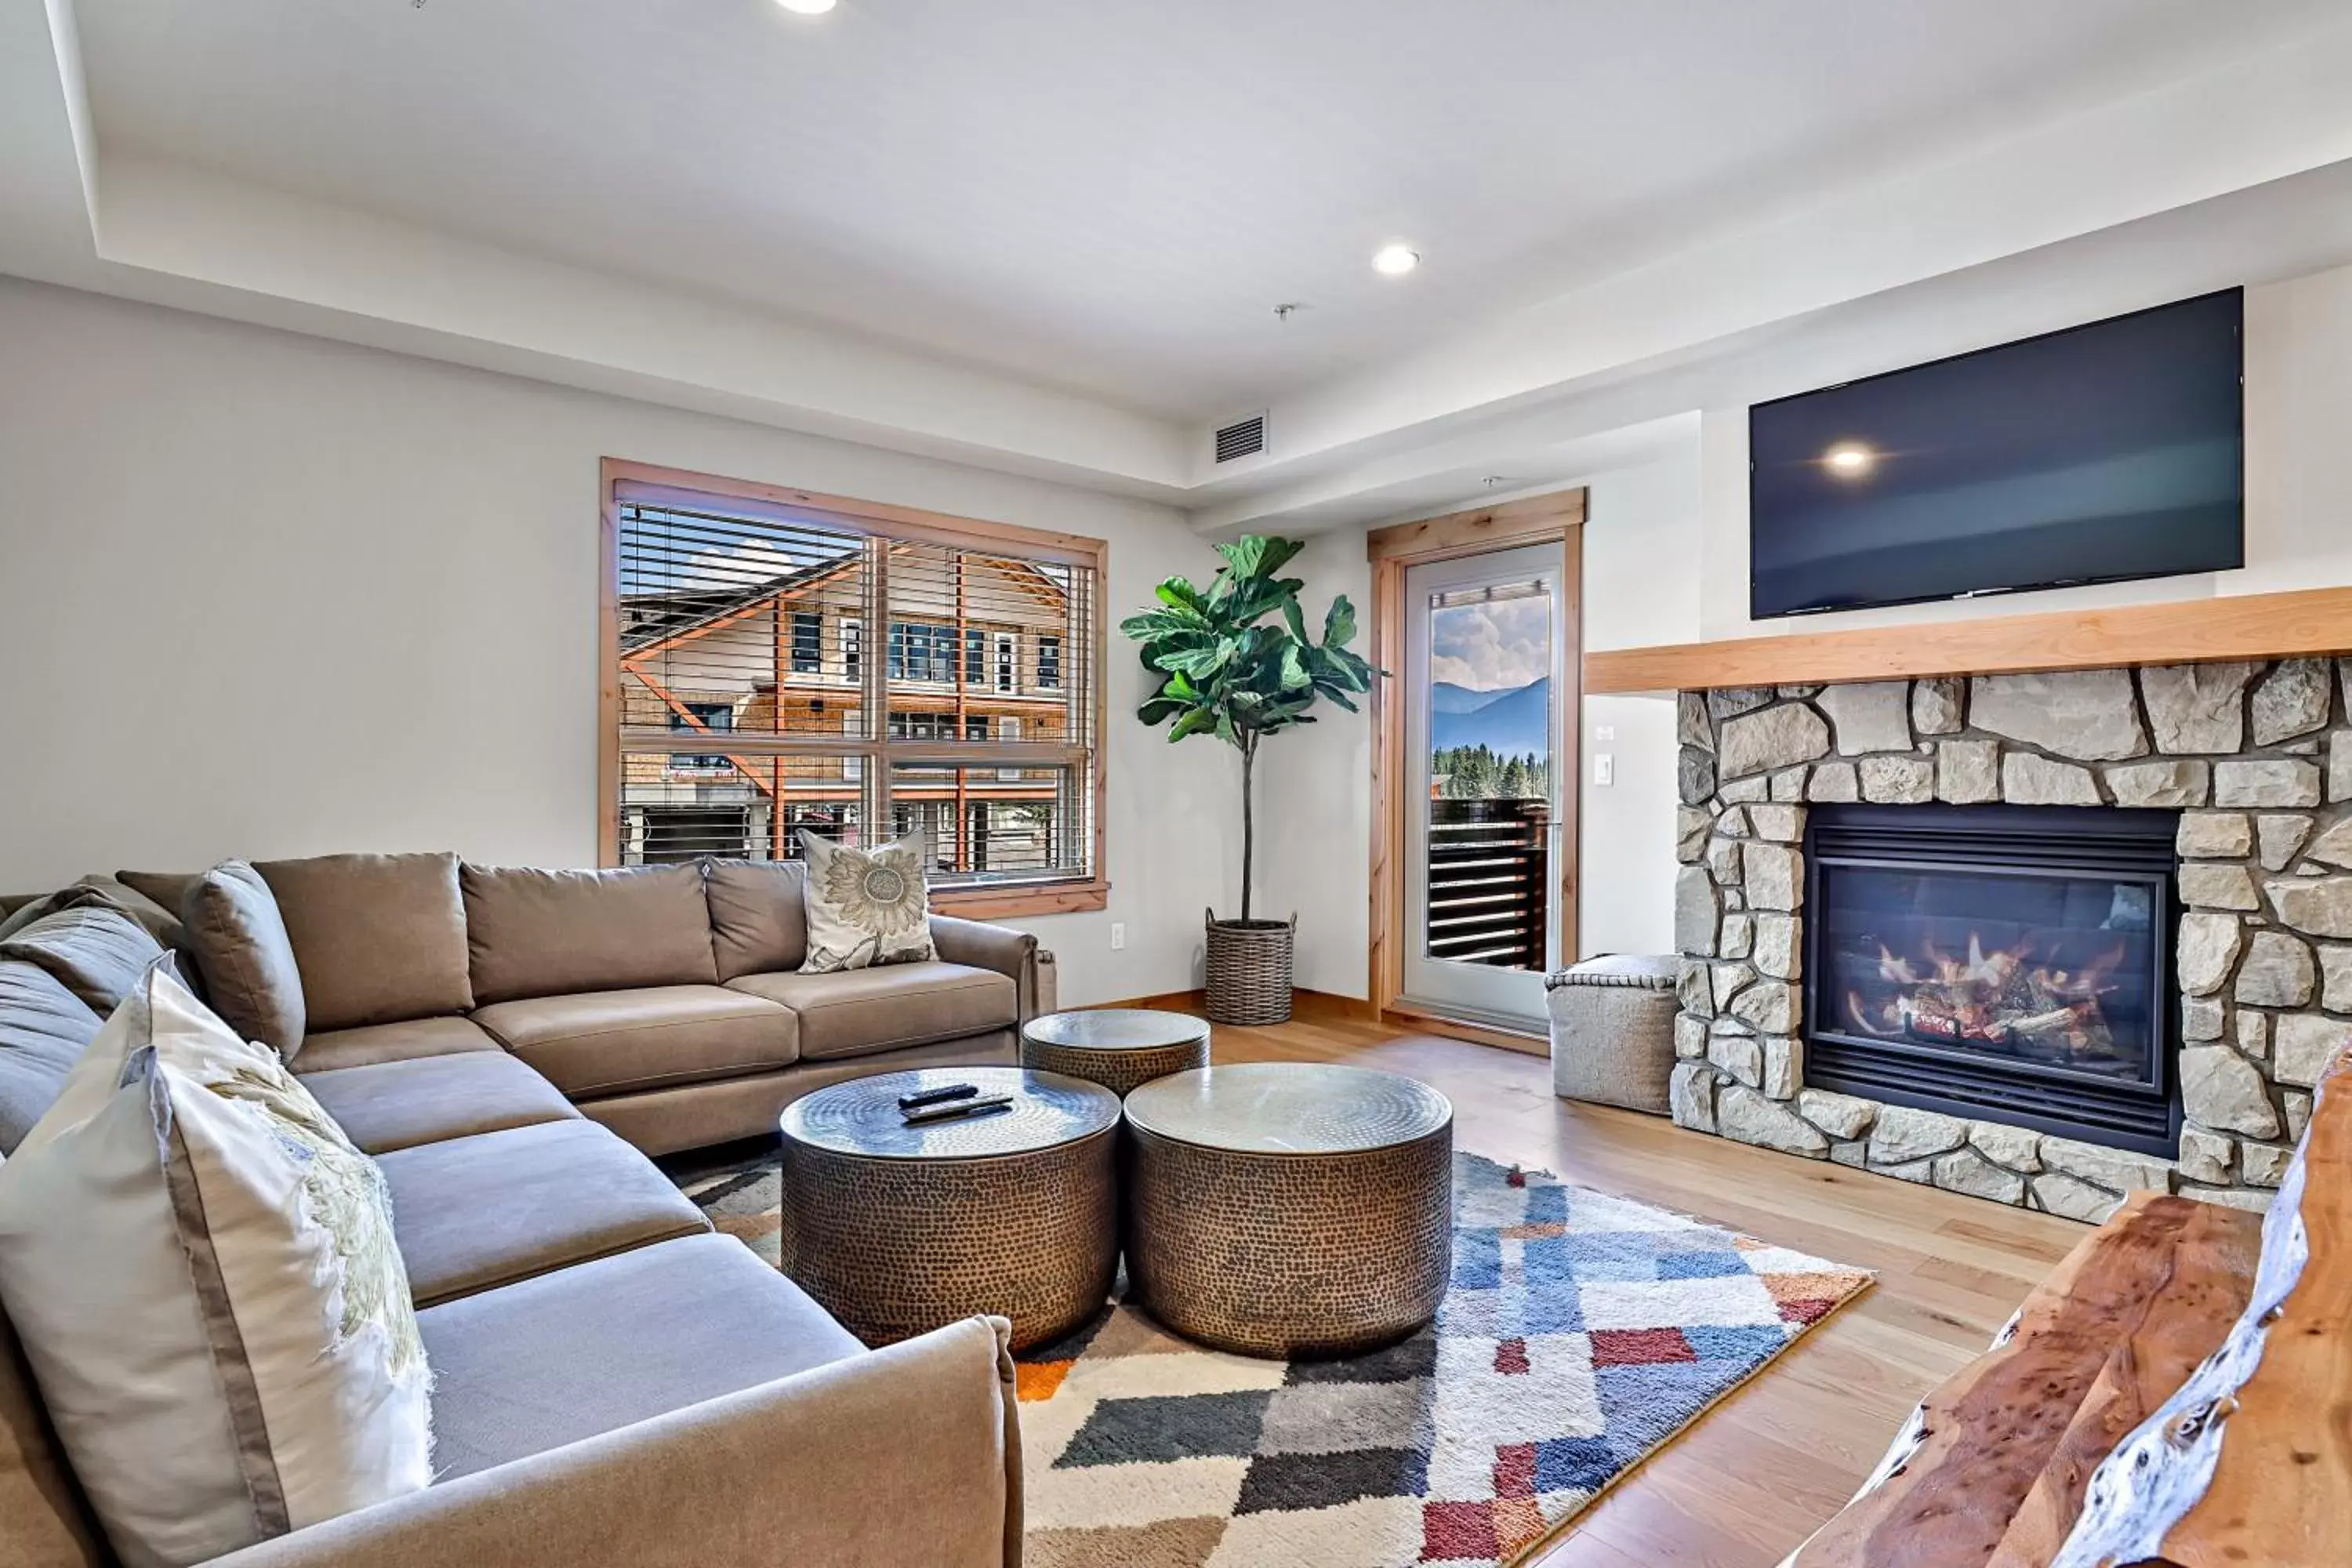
{"x": 921, "y": 1097}
{"x": 950, "y": 1110}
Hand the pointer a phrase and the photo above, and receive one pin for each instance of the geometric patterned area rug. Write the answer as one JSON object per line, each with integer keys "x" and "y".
{"x": 1580, "y": 1332}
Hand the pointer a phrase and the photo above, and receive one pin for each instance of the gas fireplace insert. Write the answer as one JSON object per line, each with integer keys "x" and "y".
{"x": 2005, "y": 962}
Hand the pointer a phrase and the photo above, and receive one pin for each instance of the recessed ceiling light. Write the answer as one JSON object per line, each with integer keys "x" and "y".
{"x": 807, "y": 8}
{"x": 1850, "y": 460}
{"x": 1395, "y": 260}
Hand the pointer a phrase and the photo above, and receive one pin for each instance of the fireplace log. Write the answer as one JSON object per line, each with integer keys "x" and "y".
{"x": 1991, "y": 1469}
{"x": 2250, "y": 1461}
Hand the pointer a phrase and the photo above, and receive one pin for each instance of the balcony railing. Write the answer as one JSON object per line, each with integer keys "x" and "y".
{"x": 1489, "y": 894}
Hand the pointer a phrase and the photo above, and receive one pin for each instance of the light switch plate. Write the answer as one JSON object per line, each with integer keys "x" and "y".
{"x": 1604, "y": 768}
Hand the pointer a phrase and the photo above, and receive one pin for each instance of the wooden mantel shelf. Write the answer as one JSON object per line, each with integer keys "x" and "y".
{"x": 2251, "y": 625}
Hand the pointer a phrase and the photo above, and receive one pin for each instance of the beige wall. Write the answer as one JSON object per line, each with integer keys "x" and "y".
{"x": 264, "y": 594}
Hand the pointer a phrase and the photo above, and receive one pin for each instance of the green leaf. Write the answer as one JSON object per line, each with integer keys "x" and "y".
{"x": 1179, "y": 594}
{"x": 1340, "y": 624}
{"x": 1194, "y": 722}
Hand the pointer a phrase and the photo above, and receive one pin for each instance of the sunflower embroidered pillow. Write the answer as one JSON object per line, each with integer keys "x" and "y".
{"x": 865, "y": 906}
{"x": 203, "y": 1274}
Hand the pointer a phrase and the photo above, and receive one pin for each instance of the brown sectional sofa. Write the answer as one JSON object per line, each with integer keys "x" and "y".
{"x": 613, "y": 1382}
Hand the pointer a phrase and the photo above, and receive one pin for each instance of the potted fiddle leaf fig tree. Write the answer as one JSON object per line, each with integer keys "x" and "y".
{"x": 1236, "y": 661}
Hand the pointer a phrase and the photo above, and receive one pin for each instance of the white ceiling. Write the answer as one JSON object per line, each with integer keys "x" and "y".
{"x": 1111, "y": 198}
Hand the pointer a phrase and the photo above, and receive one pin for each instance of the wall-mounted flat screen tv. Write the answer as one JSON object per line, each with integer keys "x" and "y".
{"x": 2094, "y": 454}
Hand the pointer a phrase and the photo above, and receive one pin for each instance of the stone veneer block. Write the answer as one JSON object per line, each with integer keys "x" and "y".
{"x": 2302, "y": 1044}
{"x": 1692, "y": 824}
{"x": 1833, "y": 781}
{"x": 2278, "y": 972}
{"x": 2263, "y": 1164}
{"x": 1872, "y": 716}
{"x": 2196, "y": 707}
{"x": 2205, "y": 1156}
{"x": 1724, "y": 702}
{"x": 1897, "y": 781}
{"x": 1778, "y": 952}
{"x": 2220, "y": 1088}
{"x": 1751, "y": 1117}
{"x": 1770, "y": 1005}
{"x": 2292, "y": 700}
{"x": 1839, "y": 1115}
{"x": 2029, "y": 780}
{"x": 1746, "y": 791}
{"x": 2281, "y": 839}
{"x": 1724, "y": 856}
{"x": 2254, "y": 1034}
{"x": 1966, "y": 1171}
{"x": 2201, "y": 1017}
{"x": 1738, "y": 938}
{"x": 1936, "y": 705}
{"x": 1694, "y": 775}
{"x": 2012, "y": 1147}
{"x": 1696, "y": 911}
{"x": 2209, "y": 947}
{"x": 1775, "y": 738}
{"x": 2339, "y": 766}
{"x": 1690, "y": 1037}
{"x": 2321, "y": 906}
{"x": 2213, "y": 835}
{"x": 2336, "y": 978}
{"x": 2118, "y": 1170}
{"x": 1789, "y": 783}
{"x": 2333, "y": 847}
{"x": 1776, "y": 876}
{"x": 1967, "y": 773}
{"x": 1904, "y": 1134}
{"x": 2265, "y": 781}
{"x": 2180, "y": 782}
{"x": 1691, "y": 726}
{"x": 2071, "y": 1198}
{"x": 2087, "y": 714}
{"x": 1740, "y": 1055}
{"x": 1780, "y": 824}
{"x": 1784, "y": 1065}
{"x": 1690, "y": 1096}
{"x": 2218, "y": 885}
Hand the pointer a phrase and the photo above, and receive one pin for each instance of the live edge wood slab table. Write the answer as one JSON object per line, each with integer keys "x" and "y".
{"x": 2179, "y": 1392}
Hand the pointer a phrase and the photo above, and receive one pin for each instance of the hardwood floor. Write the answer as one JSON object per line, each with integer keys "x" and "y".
{"x": 1758, "y": 1473}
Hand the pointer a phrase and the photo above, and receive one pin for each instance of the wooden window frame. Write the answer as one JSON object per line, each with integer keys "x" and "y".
{"x": 1554, "y": 519}
{"x": 879, "y": 522}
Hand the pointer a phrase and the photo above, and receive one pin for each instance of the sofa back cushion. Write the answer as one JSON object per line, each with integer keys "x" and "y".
{"x": 44, "y": 1029}
{"x": 379, "y": 939}
{"x": 758, "y": 925}
{"x": 247, "y": 960}
{"x": 97, "y": 953}
{"x": 162, "y": 924}
{"x": 552, "y": 934}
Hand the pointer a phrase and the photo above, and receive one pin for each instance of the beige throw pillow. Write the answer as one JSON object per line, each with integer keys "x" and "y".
{"x": 202, "y": 1273}
{"x": 866, "y": 907}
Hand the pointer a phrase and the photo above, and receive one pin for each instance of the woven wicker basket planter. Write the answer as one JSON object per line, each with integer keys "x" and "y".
{"x": 1249, "y": 970}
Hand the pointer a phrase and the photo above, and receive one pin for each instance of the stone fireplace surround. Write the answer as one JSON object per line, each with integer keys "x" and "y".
{"x": 2257, "y": 757}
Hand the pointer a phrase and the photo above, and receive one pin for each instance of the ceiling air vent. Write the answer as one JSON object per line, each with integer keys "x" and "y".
{"x": 1242, "y": 438}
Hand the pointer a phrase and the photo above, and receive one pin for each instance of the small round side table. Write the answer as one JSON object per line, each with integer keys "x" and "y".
{"x": 897, "y": 1230}
{"x": 1120, "y": 1049}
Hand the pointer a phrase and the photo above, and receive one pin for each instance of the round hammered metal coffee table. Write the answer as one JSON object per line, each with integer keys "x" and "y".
{"x": 1291, "y": 1208}
{"x": 1121, "y": 1048}
{"x": 897, "y": 1230}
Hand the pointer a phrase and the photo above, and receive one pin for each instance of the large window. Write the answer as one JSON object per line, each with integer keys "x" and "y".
{"x": 741, "y": 609}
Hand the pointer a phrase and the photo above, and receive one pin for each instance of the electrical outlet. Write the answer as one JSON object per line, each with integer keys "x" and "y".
{"x": 1118, "y": 935}
{"x": 1604, "y": 768}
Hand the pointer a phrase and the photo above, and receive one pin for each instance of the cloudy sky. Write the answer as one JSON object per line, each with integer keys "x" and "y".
{"x": 1491, "y": 646}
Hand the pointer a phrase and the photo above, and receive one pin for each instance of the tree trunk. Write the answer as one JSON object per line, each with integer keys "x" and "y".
{"x": 1249, "y": 824}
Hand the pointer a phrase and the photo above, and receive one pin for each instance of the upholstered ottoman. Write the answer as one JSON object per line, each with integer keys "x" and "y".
{"x": 1613, "y": 1030}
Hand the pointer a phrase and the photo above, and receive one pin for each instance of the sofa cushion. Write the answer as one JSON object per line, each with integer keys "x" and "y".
{"x": 97, "y": 953}
{"x": 44, "y": 1029}
{"x": 605, "y": 1042}
{"x": 240, "y": 942}
{"x": 161, "y": 923}
{"x": 757, "y": 921}
{"x": 865, "y": 906}
{"x": 378, "y": 938}
{"x": 205, "y": 1279}
{"x": 169, "y": 889}
{"x": 551, "y": 1361}
{"x": 392, "y": 1043}
{"x": 475, "y": 1213}
{"x": 550, "y": 934}
{"x": 398, "y": 1105}
{"x": 858, "y": 1011}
